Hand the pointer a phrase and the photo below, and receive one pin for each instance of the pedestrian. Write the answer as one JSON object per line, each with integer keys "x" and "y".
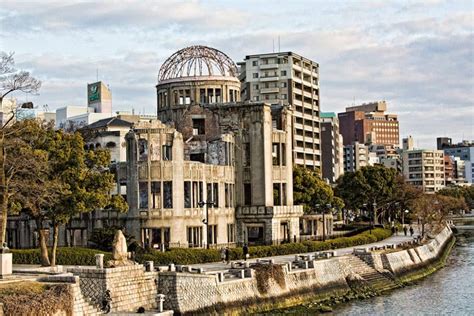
{"x": 411, "y": 231}
{"x": 393, "y": 230}
{"x": 396, "y": 230}
{"x": 223, "y": 254}
{"x": 245, "y": 250}
{"x": 405, "y": 229}
{"x": 227, "y": 255}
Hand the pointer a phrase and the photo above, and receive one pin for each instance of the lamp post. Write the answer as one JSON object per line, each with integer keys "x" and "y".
{"x": 206, "y": 220}
{"x": 328, "y": 206}
{"x": 403, "y": 217}
{"x": 374, "y": 215}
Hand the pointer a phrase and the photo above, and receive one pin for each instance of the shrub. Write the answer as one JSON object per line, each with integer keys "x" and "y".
{"x": 86, "y": 256}
{"x": 64, "y": 256}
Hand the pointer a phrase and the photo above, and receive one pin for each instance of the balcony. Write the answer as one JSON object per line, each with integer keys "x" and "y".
{"x": 269, "y": 90}
{"x": 269, "y": 66}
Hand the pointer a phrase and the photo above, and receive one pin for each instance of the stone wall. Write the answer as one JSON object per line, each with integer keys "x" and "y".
{"x": 400, "y": 261}
{"x": 130, "y": 286}
{"x": 186, "y": 292}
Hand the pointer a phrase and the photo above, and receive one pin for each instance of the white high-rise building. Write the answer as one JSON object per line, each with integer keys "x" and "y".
{"x": 289, "y": 79}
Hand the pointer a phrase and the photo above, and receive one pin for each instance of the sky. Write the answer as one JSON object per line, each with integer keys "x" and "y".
{"x": 416, "y": 55}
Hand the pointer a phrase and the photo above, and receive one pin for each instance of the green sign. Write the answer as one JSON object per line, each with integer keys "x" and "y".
{"x": 94, "y": 92}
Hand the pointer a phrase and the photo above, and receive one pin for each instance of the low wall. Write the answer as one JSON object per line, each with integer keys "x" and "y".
{"x": 186, "y": 292}
{"x": 405, "y": 260}
{"x": 130, "y": 286}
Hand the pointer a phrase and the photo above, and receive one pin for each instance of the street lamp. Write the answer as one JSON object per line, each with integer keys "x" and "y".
{"x": 206, "y": 220}
{"x": 374, "y": 216}
{"x": 403, "y": 217}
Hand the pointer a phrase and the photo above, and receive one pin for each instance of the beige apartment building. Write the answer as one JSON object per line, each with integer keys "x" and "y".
{"x": 286, "y": 78}
{"x": 425, "y": 169}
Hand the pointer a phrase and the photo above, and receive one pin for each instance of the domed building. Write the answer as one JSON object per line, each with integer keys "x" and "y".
{"x": 195, "y": 75}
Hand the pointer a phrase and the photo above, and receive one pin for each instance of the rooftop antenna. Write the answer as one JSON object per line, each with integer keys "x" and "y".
{"x": 273, "y": 45}
{"x": 279, "y": 48}
{"x": 97, "y": 74}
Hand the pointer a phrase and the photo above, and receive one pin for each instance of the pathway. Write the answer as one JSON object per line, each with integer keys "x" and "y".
{"x": 395, "y": 239}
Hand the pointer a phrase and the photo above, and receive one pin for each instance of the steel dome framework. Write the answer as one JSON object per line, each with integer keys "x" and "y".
{"x": 197, "y": 61}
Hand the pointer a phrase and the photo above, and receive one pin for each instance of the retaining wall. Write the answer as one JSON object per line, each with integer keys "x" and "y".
{"x": 130, "y": 286}
{"x": 404, "y": 260}
{"x": 186, "y": 292}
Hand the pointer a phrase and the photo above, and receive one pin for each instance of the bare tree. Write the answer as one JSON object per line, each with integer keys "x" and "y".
{"x": 11, "y": 80}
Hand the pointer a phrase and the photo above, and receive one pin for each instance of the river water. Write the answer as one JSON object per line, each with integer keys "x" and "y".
{"x": 449, "y": 291}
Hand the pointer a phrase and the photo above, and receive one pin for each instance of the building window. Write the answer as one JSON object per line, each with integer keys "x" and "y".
{"x": 255, "y": 86}
{"x": 199, "y": 126}
{"x": 283, "y": 72}
{"x": 194, "y": 236}
{"x": 197, "y": 193}
{"x": 156, "y": 194}
{"x": 143, "y": 194}
{"x": 247, "y": 194}
{"x": 283, "y": 96}
{"x": 256, "y": 98}
{"x": 255, "y": 75}
{"x": 212, "y": 234}
{"x": 197, "y": 157}
{"x": 283, "y": 84}
{"x": 246, "y": 154}
{"x": 276, "y": 194}
{"x": 213, "y": 194}
{"x": 166, "y": 152}
{"x": 168, "y": 194}
{"x": 142, "y": 149}
{"x": 230, "y": 233}
{"x": 255, "y": 63}
{"x": 187, "y": 194}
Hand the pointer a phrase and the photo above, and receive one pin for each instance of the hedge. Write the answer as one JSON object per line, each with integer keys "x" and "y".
{"x": 64, "y": 256}
{"x": 85, "y": 256}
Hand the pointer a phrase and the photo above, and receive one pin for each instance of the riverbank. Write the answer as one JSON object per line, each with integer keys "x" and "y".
{"x": 406, "y": 277}
{"x": 362, "y": 274}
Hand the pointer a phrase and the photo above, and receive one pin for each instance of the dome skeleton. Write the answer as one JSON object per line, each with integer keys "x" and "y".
{"x": 193, "y": 61}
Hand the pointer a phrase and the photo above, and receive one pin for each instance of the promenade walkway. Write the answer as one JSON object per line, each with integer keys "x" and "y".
{"x": 395, "y": 239}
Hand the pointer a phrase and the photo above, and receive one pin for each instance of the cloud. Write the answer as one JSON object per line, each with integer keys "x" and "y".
{"x": 420, "y": 61}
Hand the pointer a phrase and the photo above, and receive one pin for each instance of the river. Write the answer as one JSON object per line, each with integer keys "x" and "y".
{"x": 449, "y": 291}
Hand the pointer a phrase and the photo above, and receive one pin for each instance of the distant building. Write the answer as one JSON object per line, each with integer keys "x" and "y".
{"x": 425, "y": 169}
{"x": 369, "y": 124}
{"x": 408, "y": 143}
{"x": 464, "y": 151}
{"x": 356, "y": 156}
{"x": 99, "y": 106}
{"x": 286, "y": 78}
{"x": 442, "y": 142}
{"x": 332, "y": 149}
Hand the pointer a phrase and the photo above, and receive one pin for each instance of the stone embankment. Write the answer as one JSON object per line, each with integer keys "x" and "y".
{"x": 252, "y": 287}
{"x": 194, "y": 291}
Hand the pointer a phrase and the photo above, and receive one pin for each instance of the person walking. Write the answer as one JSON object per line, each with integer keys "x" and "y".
{"x": 245, "y": 250}
{"x": 227, "y": 255}
{"x": 223, "y": 254}
{"x": 405, "y": 229}
{"x": 412, "y": 231}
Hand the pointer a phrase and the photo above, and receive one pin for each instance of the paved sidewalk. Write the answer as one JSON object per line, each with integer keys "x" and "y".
{"x": 395, "y": 239}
